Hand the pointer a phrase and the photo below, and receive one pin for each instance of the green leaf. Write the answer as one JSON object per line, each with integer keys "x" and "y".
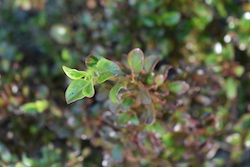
{"x": 148, "y": 115}
{"x": 136, "y": 60}
{"x": 113, "y": 93}
{"x": 41, "y": 105}
{"x": 239, "y": 70}
{"x": 89, "y": 90}
{"x": 78, "y": 89}
{"x": 164, "y": 69}
{"x": 29, "y": 107}
{"x": 231, "y": 88}
{"x": 178, "y": 87}
{"x": 144, "y": 95}
{"x": 73, "y": 73}
{"x": 127, "y": 103}
{"x": 66, "y": 55}
{"x": 134, "y": 119}
{"x": 228, "y": 52}
{"x": 91, "y": 61}
{"x": 171, "y": 18}
{"x": 150, "y": 63}
{"x": 117, "y": 153}
{"x": 124, "y": 118}
{"x": 159, "y": 79}
{"x": 168, "y": 140}
{"x": 106, "y": 69}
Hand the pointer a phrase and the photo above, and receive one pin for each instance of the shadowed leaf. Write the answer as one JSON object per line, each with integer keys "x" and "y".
{"x": 144, "y": 95}
{"x": 150, "y": 63}
{"x": 148, "y": 115}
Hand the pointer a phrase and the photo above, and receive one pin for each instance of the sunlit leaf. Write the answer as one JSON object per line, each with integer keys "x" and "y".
{"x": 178, "y": 87}
{"x": 73, "y": 73}
{"x": 136, "y": 60}
{"x": 113, "y": 93}
{"x": 41, "y": 105}
{"x": 234, "y": 139}
{"x": 78, "y": 89}
{"x": 106, "y": 69}
{"x": 91, "y": 61}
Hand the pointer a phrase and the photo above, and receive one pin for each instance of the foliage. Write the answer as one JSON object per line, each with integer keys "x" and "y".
{"x": 144, "y": 113}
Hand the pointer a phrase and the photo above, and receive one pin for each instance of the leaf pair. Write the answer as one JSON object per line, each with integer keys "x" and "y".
{"x": 99, "y": 70}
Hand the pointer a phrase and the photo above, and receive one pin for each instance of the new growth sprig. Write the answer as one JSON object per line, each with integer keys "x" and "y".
{"x": 145, "y": 90}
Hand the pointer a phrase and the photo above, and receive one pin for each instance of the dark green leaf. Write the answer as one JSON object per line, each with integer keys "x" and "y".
{"x": 164, "y": 69}
{"x": 171, "y": 18}
{"x": 127, "y": 103}
{"x": 113, "y": 93}
{"x": 73, "y": 73}
{"x": 136, "y": 60}
{"x": 150, "y": 63}
{"x": 106, "y": 69}
{"x": 148, "y": 115}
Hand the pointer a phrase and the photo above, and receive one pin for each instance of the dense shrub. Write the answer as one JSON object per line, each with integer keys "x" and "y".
{"x": 200, "y": 115}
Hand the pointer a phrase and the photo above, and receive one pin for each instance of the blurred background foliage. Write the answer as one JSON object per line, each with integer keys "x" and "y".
{"x": 206, "y": 41}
